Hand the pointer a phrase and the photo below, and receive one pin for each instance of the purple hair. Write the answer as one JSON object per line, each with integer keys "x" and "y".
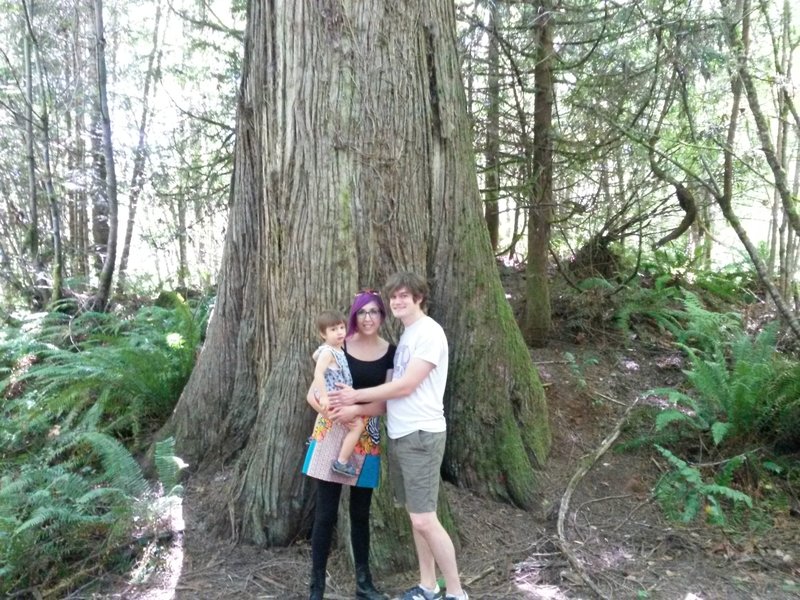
{"x": 361, "y": 299}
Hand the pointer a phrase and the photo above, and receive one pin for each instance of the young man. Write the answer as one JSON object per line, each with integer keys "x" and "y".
{"x": 417, "y": 430}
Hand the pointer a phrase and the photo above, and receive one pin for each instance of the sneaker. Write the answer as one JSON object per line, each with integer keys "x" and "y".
{"x": 344, "y": 468}
{"x": 463, "y": 596}
{"x": 418, "y": 593}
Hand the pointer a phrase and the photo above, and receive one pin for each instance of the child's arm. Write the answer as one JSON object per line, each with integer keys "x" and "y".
{"x": 318, "y": 391}
{"x": 312, "y": 397}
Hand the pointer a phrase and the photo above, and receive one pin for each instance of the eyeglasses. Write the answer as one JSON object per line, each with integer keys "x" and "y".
{"x": 372, "y": 313}
{"x": 367, "y": 291}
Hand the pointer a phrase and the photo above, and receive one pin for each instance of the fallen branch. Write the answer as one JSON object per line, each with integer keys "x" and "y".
{"x": 583, "y": 469}
{"x": 487, "y": 571}
{"x": 609, "y": 398}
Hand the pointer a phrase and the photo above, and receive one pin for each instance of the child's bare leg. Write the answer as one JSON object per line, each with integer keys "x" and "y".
{"x": 350, "y": 440}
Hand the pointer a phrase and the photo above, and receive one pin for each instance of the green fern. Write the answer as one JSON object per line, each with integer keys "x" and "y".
{"x": 168, "y": 466}
{"x": 116, "y": 466}
{"x": 40, "y": 528}
{"x": 685, "y": 410}
{"x": 659, "y": 306}
{"x": 703, "y": 329}
{"x": 779, "y": 421}
{"x": 724, "y": 476}
{"x": 592, "y": 283}
{"x": 673, "y": 415}
{"x": 68, "y": 489}
{"x": 133, "y": 369}
{"x": 77, "y": 498}
{"x": 730, "y": 385}
{"x": 682, "y": 492}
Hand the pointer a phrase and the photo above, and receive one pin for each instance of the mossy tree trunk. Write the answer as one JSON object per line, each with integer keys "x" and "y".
{"x": 353, "y": 160}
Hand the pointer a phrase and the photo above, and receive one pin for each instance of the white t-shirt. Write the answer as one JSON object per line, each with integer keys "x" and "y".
{"x": 423, "y": 409}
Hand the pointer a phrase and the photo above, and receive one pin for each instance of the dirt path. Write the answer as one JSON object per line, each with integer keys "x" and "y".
{"x": 618, "y": 535}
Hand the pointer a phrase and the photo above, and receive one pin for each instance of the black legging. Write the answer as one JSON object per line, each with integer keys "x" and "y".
{"x": 325, "y": 516}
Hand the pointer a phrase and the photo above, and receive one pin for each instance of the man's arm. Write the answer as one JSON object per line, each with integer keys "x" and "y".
{"x": 416, "y": 371}
{"x": 344, "y": 414}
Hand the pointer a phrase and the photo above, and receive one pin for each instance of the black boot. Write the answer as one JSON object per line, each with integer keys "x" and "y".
{"x": 365, "y": 589}
{"x": 317, "y": 590}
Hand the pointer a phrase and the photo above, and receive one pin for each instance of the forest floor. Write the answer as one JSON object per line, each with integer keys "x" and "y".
{"x": 622, "y": 541}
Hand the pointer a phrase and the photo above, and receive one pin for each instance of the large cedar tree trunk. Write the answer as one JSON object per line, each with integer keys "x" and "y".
{"x": 353, "y": 160}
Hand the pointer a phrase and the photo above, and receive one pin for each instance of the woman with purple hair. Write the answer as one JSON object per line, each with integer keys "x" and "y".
{"x": 370, "y": 359}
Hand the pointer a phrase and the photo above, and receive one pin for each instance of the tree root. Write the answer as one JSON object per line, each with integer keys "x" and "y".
{"x": 583, "y": 469}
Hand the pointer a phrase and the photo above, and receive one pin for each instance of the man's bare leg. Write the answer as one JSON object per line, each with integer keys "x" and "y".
{"x": 434, "y": 547}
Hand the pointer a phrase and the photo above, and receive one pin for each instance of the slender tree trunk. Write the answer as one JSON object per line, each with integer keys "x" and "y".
{"x": 353, "y": 160}
{"x": 492, "y": 151}
{"x": 99, "y": 188}
{"x": 789, "y": 252}
{"x": 538, "y": 314}
{"x": 31, "y": 45}
{"x": 103, "y": 294}
{"x": 739, "y": 44}
{"x": 784, "y": 250}
{"x": 183, "y": 258}
{"x": 71, "y": 195}
{"x": 57, "y": 266}
{"x": 724, "y": 200}
{"x": 200, "y": 245}
{"x": 79, "y": 234}
{"x": 32, "y": 241}
{"x": 140, "y": 154}
{"x": 517, "y": 231}
{"x": 99, "y": 191}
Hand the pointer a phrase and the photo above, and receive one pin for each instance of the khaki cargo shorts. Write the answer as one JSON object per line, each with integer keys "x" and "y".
{"x": 415, "y": 461}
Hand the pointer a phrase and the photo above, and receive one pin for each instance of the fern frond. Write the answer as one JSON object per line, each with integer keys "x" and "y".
{"x": 120, "y": 469}
{"x": 729, "y": 493}
{"x": 168, "y": 466}
{"x": 719, "y": 431}
{"x": 689, "y": 473}
{"x": 672, "y": 415}
{"x": 595, "y": 283}
{"x": 57, "y": 515}
{"x": 685, "y": 485}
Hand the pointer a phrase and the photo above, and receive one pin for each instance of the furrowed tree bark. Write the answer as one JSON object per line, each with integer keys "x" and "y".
{"x": 353, "y": 160}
